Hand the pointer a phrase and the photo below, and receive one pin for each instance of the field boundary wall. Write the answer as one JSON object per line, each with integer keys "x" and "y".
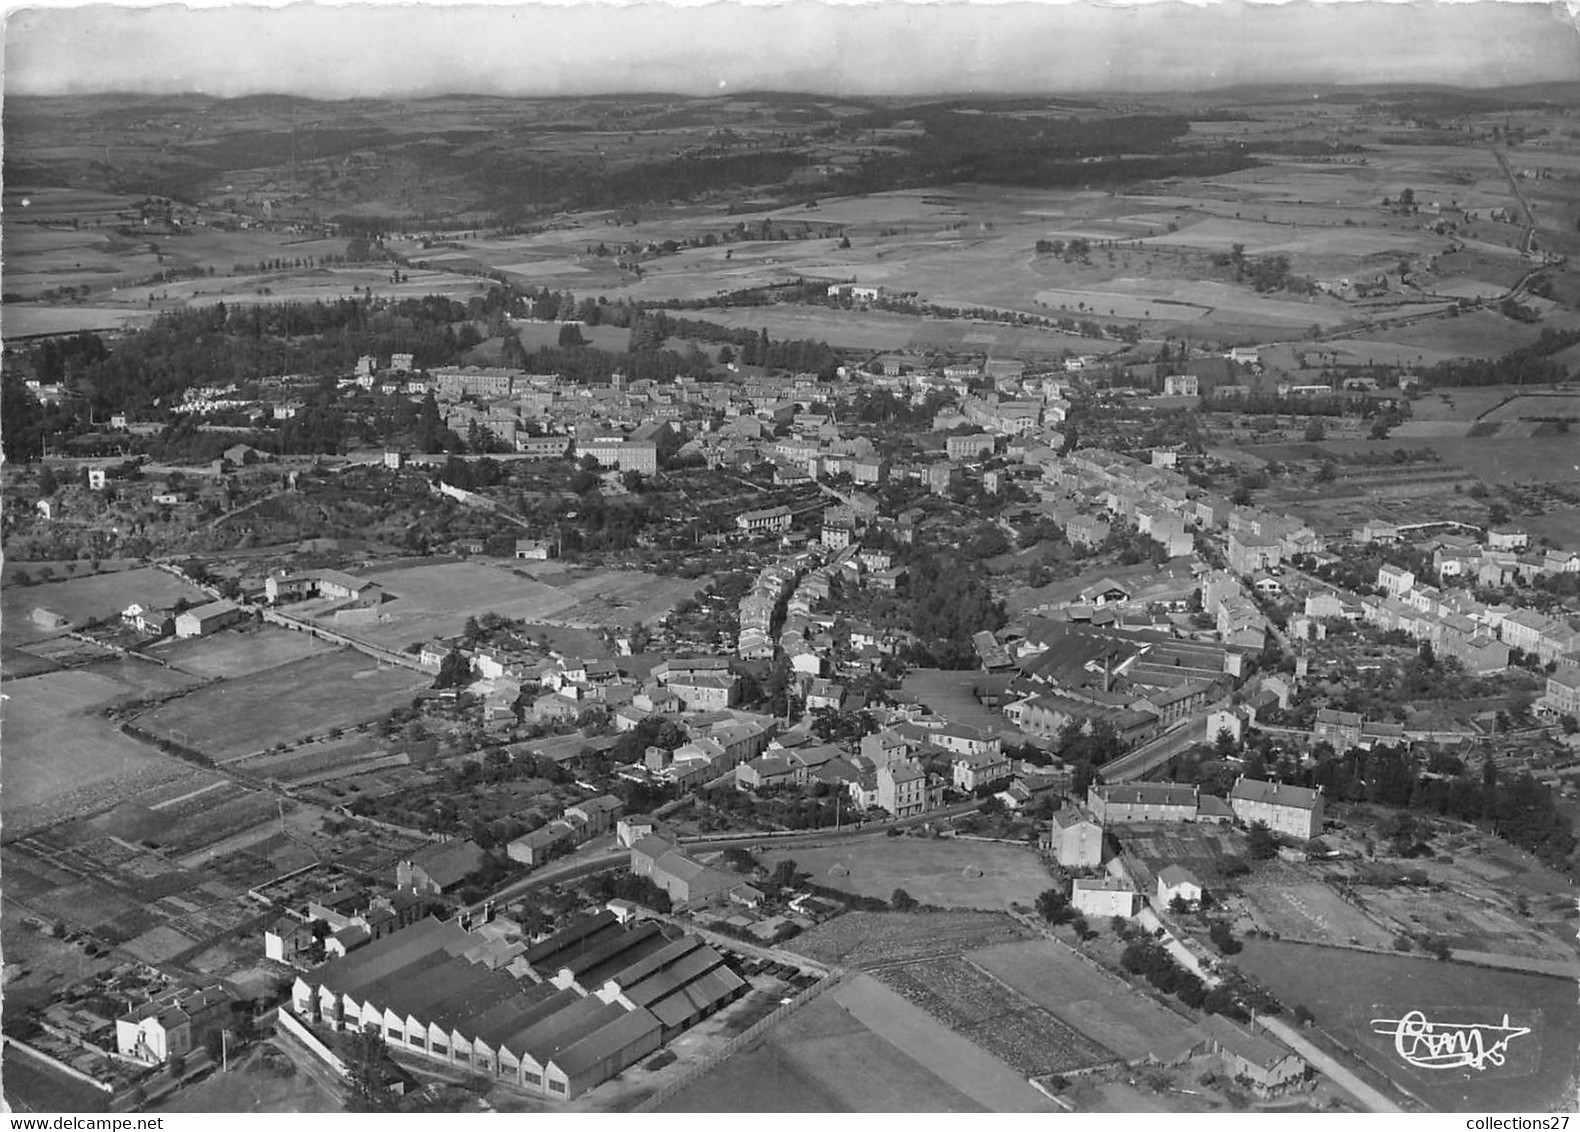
{"x": 302, "y": 1034}
{"x": 57, "y": 1064}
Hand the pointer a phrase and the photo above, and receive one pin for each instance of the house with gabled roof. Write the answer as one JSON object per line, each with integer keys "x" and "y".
{"x": 1293, "y": 810}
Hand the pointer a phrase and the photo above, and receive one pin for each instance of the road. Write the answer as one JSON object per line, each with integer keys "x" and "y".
{"x": 1528, "y": 239}
{"x": 1370, "y": 1098}
{"x": 585, "y": 863}
{"x": 1151, "y": 755}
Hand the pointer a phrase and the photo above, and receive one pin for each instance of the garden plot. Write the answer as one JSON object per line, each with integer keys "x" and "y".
{"x": 237, "y": 717}
{"x": 238, "y": 653}
{"x": 868, "y": 939}
{"x": 435, "y": 601}
{"x": 1313, "y": 913}
{"x": 1006, "y": 1024}
{"x": 92, "y": 597}
{"x": 1097, "y": 1004}
{"x": 59, "y": 749}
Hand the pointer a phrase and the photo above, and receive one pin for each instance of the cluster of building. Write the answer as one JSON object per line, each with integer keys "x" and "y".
{"x": 1456, "y": 624}
{"x": 1077, "y": 836}
{"x": 555, "y": 1018}
{"x": 1137, "y": 681}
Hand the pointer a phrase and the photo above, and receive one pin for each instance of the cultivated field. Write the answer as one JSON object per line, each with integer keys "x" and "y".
{"x": 1346, "y": 988}
{"x": 821, "y": 1059}
{"x": 237, "y": 652}
{"x": 867, "y": 939}
{"x": 1540, "y": 459}
{"x": 58, "y": 745}
{"x": 877, "y": 330}
{"x": 90, "y": 598}
{"x": 303, "y": 697}
{"x": 1097, "y": 1004}
{"x": 1313, "y": 913}
{"x": 962, "y": 1063}
{"x": 947, "y": 874}
{"x": 1199, "y": 847}
{"x": 620, "y": 597}
{"x": 1005, "y": 1023}
{"x": 435, "y": 601}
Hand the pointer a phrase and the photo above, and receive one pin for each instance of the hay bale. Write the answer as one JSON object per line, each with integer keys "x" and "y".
{"x": 971, "y": 872}
{"x": 838, "y": 871}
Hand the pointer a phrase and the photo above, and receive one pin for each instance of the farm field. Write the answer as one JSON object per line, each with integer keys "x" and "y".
{"x": 91, "y": 597}
{"x": 1006, "y": 1024}
{"x": 235, "y": 653}
{"x": 820, "y": 1059}
{"x": 1486, "y": 924}
{"x": 1541, "y": 459}
{"x": 56, "y": 743}
{"x": 1566, "y": 404}
{"x": 1561, "y": 524}
{"x": 1313, "y": 913}
{"x": 622, "y": 597}
{"x": 865, "y": 939}
{"x": 948, "y": 874}
{"x": 435, "y": 601}
{"x": 1345, "y": 988}
{"x": 21, "y": 320}
{"x": 306, "y": 286}
{"x": 1474, "y": 334}
{"x": 1098, "y": 1005}
{"x": 958, "y": 1061}
{"x": 239, "y": 716}
{"x": 878, "y": 330}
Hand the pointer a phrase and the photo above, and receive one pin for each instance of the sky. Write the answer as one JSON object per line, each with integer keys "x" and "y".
{"x": 687, "y": 47}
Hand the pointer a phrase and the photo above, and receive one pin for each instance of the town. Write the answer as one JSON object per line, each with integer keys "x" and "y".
{"x": 502, "y": 698}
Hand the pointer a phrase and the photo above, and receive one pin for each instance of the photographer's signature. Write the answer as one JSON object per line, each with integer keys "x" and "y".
{"x": 1448, "y": 1045}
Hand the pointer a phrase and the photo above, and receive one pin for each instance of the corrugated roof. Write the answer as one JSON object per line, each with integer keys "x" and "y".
{"x": 573, "y": 936}
{"x": 624, "y": 1032}
{"x": 665, "y": 956}
{"x": 500, "y": 1030}
{"x": 368, "y": 964}
{"x": 507, "y": 1013}
{"x": 540, "y": 1037}
{"x": 566, "y": 1029}
{"x": 608, "y": 947}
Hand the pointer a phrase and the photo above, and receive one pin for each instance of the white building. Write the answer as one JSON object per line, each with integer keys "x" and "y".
{"x": 1104, "y": 898}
